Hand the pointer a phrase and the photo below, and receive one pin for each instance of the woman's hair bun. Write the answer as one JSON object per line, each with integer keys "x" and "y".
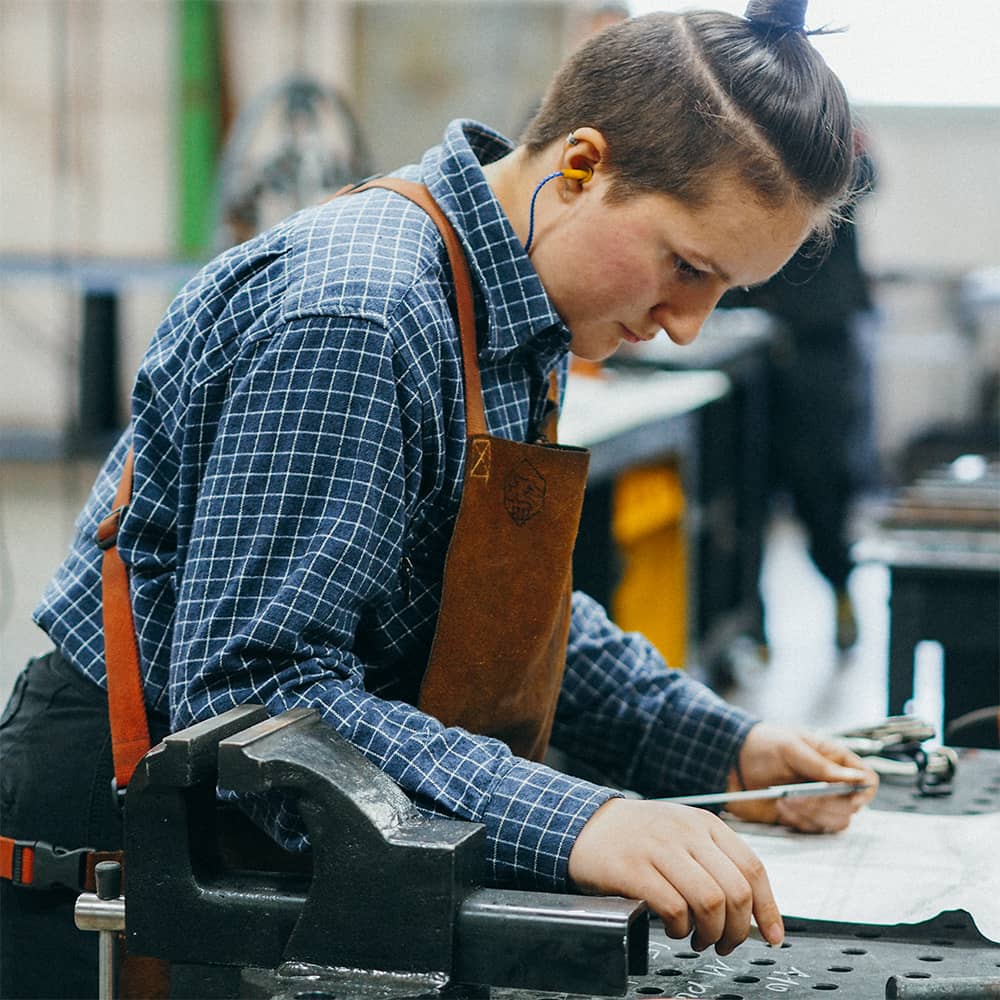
{"x": 783, "y": 15}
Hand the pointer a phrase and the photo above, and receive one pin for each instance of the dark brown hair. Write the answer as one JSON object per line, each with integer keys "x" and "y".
{"x": 681, "y": 98}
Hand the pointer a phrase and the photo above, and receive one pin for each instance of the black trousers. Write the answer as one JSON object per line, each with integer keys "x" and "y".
{"x": 819, "y": 437}
{"x": 55, "y": 785}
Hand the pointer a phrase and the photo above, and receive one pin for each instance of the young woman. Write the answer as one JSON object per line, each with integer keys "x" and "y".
{"x": 312, "y": 438}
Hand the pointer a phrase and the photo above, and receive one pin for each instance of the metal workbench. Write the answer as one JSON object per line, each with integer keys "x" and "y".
{"x": 388, "y": 890}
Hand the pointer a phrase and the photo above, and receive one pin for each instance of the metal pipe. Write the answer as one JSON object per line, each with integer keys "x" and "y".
{"x": 94, "y": 914}
{"x": 107, "y": 958}
{"x": 952, "y": 988}
{"x": 104, "y": 912}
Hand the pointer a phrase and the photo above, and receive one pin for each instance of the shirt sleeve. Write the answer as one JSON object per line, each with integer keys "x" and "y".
{"x": 628, "y": 717}
{"x": 300, "y": 522}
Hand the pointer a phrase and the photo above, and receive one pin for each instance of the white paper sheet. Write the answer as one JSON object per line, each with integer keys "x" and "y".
{"x": 886, "y": 868}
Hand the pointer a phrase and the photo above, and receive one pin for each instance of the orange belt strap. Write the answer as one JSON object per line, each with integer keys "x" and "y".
{"x": 39, "y": 865}
{"x": 126, "y": 706}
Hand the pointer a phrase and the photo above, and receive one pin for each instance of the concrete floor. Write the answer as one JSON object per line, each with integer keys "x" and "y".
{"x": 805, "y": 682}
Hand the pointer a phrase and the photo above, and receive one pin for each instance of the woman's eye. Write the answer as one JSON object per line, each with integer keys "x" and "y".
{"x": 685, "y": 269}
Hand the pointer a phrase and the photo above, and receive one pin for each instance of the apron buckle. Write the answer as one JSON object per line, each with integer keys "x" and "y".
{"x": 107, "y": 531}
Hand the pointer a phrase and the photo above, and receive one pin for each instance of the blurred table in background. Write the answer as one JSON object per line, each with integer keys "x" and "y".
{"x": 734, "y": 487}
{"x": 637, "y": 551}
{"x": 98, "y": 409}
{"x": 940, "y": 540}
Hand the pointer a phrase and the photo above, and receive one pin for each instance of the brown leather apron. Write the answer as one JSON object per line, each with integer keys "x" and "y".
{"x": 499, "y": 652}
{"x": 497, "y": 661}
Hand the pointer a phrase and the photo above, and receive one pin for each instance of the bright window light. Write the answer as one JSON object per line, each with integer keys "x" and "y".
{"x": 900, "y": 51}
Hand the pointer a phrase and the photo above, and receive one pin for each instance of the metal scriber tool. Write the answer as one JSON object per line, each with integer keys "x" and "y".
{"x": 771, "y": 792}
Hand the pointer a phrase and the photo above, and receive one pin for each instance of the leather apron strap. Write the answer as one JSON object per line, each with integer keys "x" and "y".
{"x": 126, "y": 705}
{"x": 417, "y": 193}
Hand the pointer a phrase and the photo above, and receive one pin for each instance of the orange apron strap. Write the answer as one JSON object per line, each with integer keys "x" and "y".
{"x": 419, "y": 195}
{"x": 549, "y": 428}
{"x": 126, "y": 705}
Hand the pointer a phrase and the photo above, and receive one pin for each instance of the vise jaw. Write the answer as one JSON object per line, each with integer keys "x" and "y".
{"x": 389, "y": 890}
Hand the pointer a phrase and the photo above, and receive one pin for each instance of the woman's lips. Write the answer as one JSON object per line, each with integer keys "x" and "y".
{"x": 635, "y": 338}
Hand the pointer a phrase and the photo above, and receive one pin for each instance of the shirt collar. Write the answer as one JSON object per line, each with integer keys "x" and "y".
{"x": 518, "y": 308}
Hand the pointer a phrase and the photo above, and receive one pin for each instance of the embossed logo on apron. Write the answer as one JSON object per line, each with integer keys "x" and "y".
{"x": 524, "y": 493}
{"x": 479, "y": 464}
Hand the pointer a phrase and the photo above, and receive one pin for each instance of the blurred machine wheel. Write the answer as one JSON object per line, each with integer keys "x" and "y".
{"x": 294, "y": 144}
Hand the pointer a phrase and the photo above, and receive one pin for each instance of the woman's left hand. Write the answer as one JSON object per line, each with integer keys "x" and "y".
{"x": 771, "y": 755}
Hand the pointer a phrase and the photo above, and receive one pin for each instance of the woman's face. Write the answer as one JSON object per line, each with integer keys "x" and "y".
{"x": 624, "y": 271}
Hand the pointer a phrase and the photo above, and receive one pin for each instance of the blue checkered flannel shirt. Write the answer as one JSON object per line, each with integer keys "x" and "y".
{"x": 299, "y": 434}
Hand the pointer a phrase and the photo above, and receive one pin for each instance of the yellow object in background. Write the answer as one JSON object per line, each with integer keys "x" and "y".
{"x": 648, "y": 528}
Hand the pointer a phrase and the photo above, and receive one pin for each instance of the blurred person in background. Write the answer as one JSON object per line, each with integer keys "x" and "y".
{"x": 821, "y": 434}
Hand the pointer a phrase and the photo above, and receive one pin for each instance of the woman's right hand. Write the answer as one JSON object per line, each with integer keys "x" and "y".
{"x": 692, "y": 870}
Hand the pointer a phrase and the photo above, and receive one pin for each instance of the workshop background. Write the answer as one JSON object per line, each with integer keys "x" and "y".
{"x": 138, "y": 137}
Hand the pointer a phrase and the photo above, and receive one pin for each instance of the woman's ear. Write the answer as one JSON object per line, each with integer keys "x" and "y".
{"x": 583, "y": 153}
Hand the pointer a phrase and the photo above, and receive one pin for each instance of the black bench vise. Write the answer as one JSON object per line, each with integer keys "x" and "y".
{"x": 389, "y": 891}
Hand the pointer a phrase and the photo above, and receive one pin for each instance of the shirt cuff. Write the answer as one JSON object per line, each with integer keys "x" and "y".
{"x": 693, "y": 750}
{"x": 533, "y": 819}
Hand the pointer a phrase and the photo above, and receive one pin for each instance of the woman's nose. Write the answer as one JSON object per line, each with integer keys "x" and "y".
{"x": 683, "y": 320}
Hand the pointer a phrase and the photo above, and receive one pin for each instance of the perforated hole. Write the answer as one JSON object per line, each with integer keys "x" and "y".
{"x": 854, "y": 951}
{"x": 840, "y": 968}
{"x": 826, "y": 986}
{"x": 746, "y": 979}
{"x": 687, "y": 954}
{"x": 917, "y": 975}
{"x": 763, "y": 961}
{"x": 930, "y": 958}
{"x": 669, "y": 972}
{"x": 651, "y": 991}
